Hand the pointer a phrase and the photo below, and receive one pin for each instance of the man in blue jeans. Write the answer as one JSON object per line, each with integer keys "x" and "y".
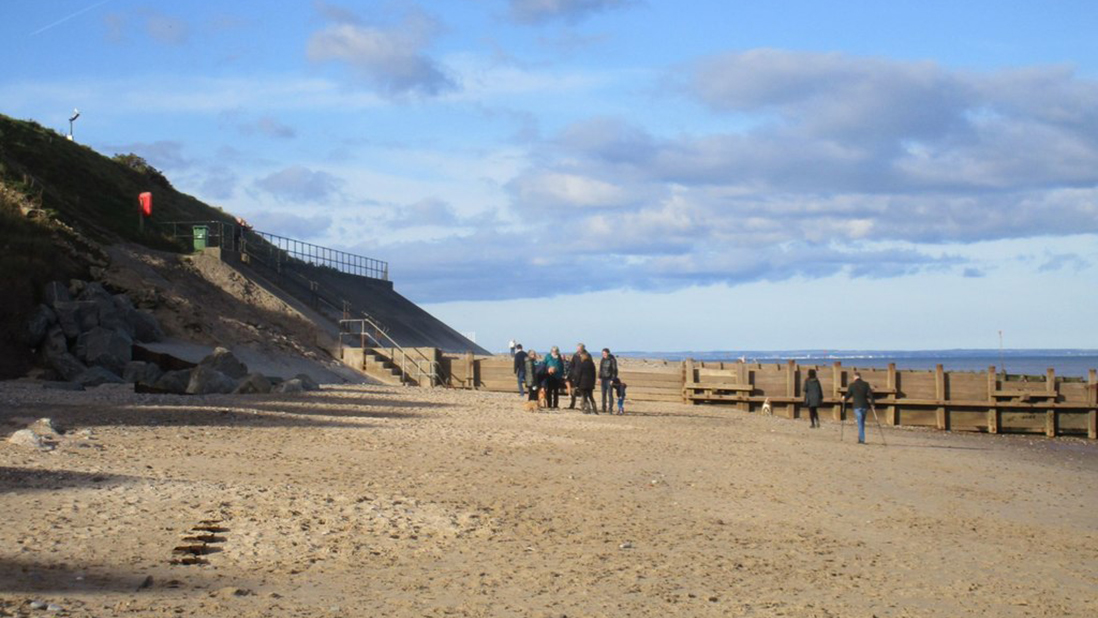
{"x": 520, "y": 368}
{"x": 608, "y": 371}
{"x": 861, "y": 394}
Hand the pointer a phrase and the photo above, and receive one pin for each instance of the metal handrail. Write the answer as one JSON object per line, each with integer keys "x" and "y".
{"x": 233, "y": 236}
{"x": 317, "y": 255}
{"x": 378, "y": 334}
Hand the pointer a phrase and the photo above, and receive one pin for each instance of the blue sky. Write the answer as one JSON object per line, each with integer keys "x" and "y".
{"x": 636, "y": 174}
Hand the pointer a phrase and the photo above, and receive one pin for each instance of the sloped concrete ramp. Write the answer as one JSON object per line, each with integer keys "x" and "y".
{"x": 329, "y": 292}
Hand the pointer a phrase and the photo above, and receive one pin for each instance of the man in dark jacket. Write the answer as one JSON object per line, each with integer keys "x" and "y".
{"x": 586, "y": 383}
{"x": 608, "y": 370}
{"x": 862, "y": 395}
{"x": 520, "y": 368}
{"x": 572, "y": 374}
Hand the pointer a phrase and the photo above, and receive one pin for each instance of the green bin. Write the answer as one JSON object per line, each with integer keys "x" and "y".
{"x": 201, "y": 233}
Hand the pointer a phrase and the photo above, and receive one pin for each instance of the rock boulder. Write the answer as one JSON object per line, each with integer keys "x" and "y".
{"x": 290, "y": 386}
{"x": 141, "y": 372}
{"x": 206, "y": 380}
{"x": 174, "y": 381}
{"x": 96, "y": 376}
{"x": 76, "y": 317}
{"x": 224, "y": 361}
{"x": 38, "y": 324}
{"x": 146, "y": 328}
{"x": 253, "y": 383}
{"x": 106, "y": 348}
{"x": 55, "y": 292}
{"x": 307, "y": 382}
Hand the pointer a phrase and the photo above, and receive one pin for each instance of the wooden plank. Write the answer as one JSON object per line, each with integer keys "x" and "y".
{"x": 652, "y": 391}
{"x": 891, "y": 412}
{"x": 1050, "y": 423}
{"x": 791, "y": 389}
{"x": 939, "y": 394}
{"x": 724, "y": 386}
{"x": 1092, "y": 420}
{"x": 670, "y": 398}
{"x": 993, "y": 419}
{"x": 836, "y": 390}
{"x": 979, "y": 403}
{"x": 729, "y": 373}
{"x": 743, "y": 377}
{"x": 688, "y": 377}
{"x": 674, "y": 379}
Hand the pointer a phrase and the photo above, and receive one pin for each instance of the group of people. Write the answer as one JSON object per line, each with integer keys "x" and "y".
{"x": 577, "y": 375}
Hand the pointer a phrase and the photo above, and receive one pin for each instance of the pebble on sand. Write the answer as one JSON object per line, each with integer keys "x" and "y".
{"x": 26, "y": 437}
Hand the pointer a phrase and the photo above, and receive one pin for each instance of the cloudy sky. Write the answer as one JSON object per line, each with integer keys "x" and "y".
{"x": 642, "y": 174}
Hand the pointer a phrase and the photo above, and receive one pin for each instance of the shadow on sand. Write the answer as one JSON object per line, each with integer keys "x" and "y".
{"x": 24, "y": 479}
{"x": 23, "y": 575}
{"x": 180, "y": 413}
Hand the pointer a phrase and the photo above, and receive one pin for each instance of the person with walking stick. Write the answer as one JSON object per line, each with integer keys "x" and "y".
{"x": 860, "y": 393}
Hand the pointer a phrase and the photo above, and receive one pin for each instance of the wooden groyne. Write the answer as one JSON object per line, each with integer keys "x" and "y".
{"x": 947, "y": 400}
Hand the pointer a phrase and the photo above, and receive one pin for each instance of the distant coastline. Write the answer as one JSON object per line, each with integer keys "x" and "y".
{"x": 1066, "y": 362}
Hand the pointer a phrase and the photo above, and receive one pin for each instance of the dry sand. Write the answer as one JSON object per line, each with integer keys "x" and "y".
{"x": 377, "y": 501}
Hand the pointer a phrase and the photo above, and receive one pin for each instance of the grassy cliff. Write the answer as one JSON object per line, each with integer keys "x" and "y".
{"x": 59, "y": 200}
{"x": 94, "y": 194}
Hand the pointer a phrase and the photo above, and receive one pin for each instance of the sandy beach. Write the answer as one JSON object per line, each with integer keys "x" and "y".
{"x": 379, "y": 501}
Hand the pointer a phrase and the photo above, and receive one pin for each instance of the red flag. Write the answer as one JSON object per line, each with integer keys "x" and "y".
{"x": 146, "y": 200}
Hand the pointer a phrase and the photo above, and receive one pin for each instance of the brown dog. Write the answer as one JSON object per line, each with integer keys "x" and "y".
{"x": 542, "y": 399}
{"x": 530, "y": 406}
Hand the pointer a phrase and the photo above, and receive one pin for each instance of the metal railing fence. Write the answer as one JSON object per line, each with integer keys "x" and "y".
{"x": 278, "y": 250}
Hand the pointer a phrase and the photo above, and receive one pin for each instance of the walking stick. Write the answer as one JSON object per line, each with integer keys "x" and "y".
{"x": 842, "y": 420}
{"x": 874, "y": 409}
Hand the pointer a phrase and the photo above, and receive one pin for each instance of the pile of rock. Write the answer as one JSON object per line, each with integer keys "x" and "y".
{"x": 222, "y": 372}
{"x": 86, "y": 334}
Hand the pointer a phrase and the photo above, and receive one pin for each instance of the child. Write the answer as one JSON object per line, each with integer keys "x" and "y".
{"x": 619, "y": 390}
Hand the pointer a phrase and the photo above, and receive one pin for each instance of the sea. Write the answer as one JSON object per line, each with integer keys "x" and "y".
{"x": 1066, "y": 363}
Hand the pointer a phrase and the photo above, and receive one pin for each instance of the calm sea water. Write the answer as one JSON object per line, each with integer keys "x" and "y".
{"x": 1067, "y": 363}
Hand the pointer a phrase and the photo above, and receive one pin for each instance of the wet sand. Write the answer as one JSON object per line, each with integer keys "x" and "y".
{"x": 377, "y": 501}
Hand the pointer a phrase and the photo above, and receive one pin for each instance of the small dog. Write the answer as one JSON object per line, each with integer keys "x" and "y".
{"x": 766, "y": 409}
{"x": 543, "y": 402}
{"x": 530, "y": 406}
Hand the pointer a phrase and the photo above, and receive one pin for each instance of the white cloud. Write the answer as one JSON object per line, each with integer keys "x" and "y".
{"x": 392, "y": 60}
{"x": 540, "y": 11}
{"x": 160, "y": 27}
{"x": 299, "y": 183}
{"x": 423, "y": 213}
{"x": 553, "y": 189}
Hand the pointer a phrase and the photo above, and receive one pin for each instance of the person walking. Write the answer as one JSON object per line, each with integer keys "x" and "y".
{"x": 572, "y": 374}
{"x": 513, "y": 346}
{"x": 520, "y": 368}
{"x": 813, "y": 398}
{"x": 554, "y": 371}
{"x": 608, "y": 370}
{"x": 531, "y": 370}
{"x": 586, "y": 383}
{"x": 861, "y": 393}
